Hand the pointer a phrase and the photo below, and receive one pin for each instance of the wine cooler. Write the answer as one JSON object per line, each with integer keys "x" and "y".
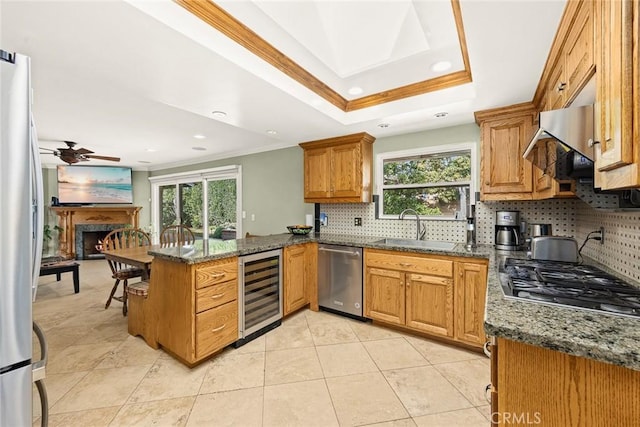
{"x": 259, "y": 294}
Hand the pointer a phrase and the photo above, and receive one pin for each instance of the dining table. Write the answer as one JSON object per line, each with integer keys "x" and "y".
{"x": 137, "y": 256}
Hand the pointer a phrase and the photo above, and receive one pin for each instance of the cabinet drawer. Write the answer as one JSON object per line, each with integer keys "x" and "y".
{"x": 217, "y": 273}
{"x": 410, "y": 263}
{"x": 216, "y": 328}
{"x": 213, "y": 296}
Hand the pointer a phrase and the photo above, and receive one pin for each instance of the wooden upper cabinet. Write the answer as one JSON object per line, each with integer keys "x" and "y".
{"x": 317, "y": 173}
{"x": 545, "y": 184}
{"x": 571, "y": 61}
{"x": 579, "y": 63}
{"x": 505, "y": 133}
{"x": 617, "y": 106}
{"x": 338, "y": 170}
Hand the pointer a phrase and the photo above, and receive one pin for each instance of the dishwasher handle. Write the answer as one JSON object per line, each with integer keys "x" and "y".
{"x": 340, "y": 251}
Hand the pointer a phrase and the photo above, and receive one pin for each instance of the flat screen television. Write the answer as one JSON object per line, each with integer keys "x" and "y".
{"x": 87, "y": 185}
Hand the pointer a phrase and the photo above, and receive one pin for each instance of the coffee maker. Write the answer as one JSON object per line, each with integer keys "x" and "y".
{"x": 508, "y": 236}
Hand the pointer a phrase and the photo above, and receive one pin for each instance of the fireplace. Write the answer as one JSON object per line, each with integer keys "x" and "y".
{"x": 76, "y": 220}
{"x": 87, "y": 237}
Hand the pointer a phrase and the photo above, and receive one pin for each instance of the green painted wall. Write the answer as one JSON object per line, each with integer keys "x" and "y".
{"x": 272, "y": 188}
{"x": 272, "y": 182}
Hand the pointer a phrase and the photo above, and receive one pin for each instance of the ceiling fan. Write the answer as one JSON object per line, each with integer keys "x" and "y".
{"x": 71, "y": 155}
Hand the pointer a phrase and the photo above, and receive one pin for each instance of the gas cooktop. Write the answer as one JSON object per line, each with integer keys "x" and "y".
{"x": 561, "y": 283}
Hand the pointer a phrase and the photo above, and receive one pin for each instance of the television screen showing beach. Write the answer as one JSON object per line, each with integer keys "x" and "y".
{"x": 94, "y": 184}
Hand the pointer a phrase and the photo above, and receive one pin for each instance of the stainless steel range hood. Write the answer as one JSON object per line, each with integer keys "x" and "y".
{"x": 571, "y": 127}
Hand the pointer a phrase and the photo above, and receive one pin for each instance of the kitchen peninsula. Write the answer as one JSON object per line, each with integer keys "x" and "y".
{"x": 191, "y": 309}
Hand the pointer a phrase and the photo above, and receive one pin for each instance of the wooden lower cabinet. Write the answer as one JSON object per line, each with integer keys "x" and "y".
{"x": 470, "y": 288}
{"x": 544, "y": 387}
{"x": 196, "y": 306}
{"x": 300, "y": 277}
{"x": 430, "y": 304}
{"x": 384, "y": 295}
{"x": 422, "y": 292}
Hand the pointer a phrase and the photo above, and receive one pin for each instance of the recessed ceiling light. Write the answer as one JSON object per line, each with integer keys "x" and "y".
{"x": 219, "y": 114}
{"x": 441, "y": 66}
{"x": 441, "y": 114}
{"x": 199, "y": 148}
{"x": 384, "y": 125}
{"x": 151, "y": 150}
{"x": 356, "y": 90}
{"x": 143, "y": 161}
{"x": 272, "y": 132}
{"x": 199, "y": 136}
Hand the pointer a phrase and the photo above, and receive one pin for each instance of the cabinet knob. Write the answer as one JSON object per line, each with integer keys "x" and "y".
{"x": 217, "y": 296}
{"x": 405, "y": 264}
{"x": 562, "y": 87}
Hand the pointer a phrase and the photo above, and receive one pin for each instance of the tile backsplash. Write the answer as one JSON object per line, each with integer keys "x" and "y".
{"x": 568, "y": 217}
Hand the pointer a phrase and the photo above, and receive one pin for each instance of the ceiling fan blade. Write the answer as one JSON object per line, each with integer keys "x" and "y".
{"x": 83, "y": 151}
{"x": 94, "y": 156}
{"x": 48, "y": 149}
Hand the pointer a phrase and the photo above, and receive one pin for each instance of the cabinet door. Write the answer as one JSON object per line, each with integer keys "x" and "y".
{"x": 346, "y": 171}
{"x": 295, "y": 279}
{"x": 317, "y": 174}
{"x": 543, "y": 171}
{"x": 384, "y": 296}
{"x": 504, "y": 170}
{"x": 578, "y": 52}
{"x": 430, "y": 304}
{"x": 614, "y": 96}
{"x": 557, "y": 86}
{"x": 471, "y": 286}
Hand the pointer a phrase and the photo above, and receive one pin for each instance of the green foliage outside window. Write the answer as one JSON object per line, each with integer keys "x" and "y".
{"x": 221, "y": 205}
{"x": 431, "y": 185}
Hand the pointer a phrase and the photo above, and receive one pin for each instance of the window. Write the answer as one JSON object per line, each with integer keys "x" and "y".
{"x": 206, "y": 201}
{"x": 436, "y": 182}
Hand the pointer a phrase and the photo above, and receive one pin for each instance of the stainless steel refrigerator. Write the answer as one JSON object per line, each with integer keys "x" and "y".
{"x": 21, "y": 227}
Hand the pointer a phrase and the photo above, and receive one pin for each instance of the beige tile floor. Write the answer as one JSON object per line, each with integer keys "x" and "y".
{"x": 317, "y": 369}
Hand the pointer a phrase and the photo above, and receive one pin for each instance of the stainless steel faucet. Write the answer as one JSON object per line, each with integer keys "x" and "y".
{"x": 419, "y": 231}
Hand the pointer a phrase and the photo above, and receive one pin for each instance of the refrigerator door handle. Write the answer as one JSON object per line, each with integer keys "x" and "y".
{"x": 39, "y": 366}
{"x": 38, "y": 374}
{"x": 38, "y": 209}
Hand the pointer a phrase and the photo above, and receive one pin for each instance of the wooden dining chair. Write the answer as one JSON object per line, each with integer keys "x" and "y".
{"x": 177, "y": 235}
{"x": 123, "y": 238}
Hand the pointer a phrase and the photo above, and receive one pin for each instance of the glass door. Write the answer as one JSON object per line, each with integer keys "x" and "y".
{"x": 168, "y": 206}
{"x": 222, "y": 208}
{"x": 190, "y": 203}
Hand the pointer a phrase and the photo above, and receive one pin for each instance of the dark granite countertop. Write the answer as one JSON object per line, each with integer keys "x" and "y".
{"x": 216, "y": 249}
{"x": 603, "y": 337}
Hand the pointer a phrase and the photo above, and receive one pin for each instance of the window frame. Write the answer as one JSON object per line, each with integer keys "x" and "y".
{"x": 203, "y": 176}
{"x": 429, "y": 150}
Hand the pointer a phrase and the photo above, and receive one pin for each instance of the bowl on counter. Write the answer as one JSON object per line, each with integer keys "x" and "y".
{"x": 299, "y": 229}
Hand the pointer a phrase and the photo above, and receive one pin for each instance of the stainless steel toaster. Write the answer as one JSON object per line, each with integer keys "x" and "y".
{"x": 554, "y": 248}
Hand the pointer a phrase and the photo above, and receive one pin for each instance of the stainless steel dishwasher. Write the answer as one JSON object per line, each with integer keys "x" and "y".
{"x": 340, "y": 279}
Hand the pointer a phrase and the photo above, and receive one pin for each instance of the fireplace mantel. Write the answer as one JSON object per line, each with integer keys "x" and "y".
{"x": 70, "y": 216}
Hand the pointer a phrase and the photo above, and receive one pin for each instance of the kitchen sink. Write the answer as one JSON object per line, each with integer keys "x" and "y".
{"x": 425, "y": 244}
